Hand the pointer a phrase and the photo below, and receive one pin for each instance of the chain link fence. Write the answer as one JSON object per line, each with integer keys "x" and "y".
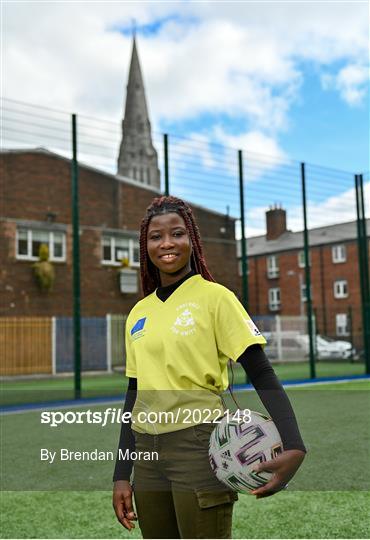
{"x": 304, "y": 242}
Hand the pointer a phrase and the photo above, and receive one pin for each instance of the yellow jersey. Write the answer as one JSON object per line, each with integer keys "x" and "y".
{"x": 178, "y": 351}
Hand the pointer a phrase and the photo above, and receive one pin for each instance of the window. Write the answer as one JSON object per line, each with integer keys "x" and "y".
{"x": 241, "y": 269}
{"x": 116, "y": 248}
{"x": 340, "y": 289}
{"x": 39, "y": 238}
{"x": 272, "y": 266}
{"x": 304, "y": 294}
{"x": 342, "y": 324}
{"x": 274, "y": 299}
{"x": 30, "y": 240}
{"x": 339, "y": 254}
{"x": 301, "y": 261}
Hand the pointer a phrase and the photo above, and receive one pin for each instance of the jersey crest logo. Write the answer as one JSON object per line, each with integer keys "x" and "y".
{"x": 185, "y": 323}
{"x": 185, "y": 319}
{"x": 139, "y": 325}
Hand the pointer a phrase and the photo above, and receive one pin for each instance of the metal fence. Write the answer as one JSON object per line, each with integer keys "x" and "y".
{"x": 26, "y": 345}
{"x": 44, "y": 345}
{"x": 242, "y": 185}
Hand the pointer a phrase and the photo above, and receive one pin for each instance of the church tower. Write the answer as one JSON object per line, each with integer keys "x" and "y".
{"x": 137, "y": 158}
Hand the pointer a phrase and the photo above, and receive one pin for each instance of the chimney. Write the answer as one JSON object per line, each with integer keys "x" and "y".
{"x": 275, "y": 222}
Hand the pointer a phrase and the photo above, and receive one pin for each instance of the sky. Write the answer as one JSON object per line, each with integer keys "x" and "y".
{"x": 283, "y": 81}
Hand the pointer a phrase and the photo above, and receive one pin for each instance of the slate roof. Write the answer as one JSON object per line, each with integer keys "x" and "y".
{"x": 329, "y": 234}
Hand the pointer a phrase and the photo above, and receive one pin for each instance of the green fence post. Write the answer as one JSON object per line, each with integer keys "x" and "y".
{"x": 243, "y": 240}
{"x": 308, "y": 277}
{"x": 363, "y": 268}
{"x": 166, "y": 166}
{"x": 350, "y": 324}
{"x": 366, "y": 270}
{"x": 76, "y": 265}
{"x": 364, "y": 236}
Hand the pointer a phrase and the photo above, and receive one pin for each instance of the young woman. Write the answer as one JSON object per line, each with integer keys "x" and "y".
{"x": 179, "y": 339}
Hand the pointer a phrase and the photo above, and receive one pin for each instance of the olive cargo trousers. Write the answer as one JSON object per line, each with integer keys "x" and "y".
{"x": 178, "y": 495}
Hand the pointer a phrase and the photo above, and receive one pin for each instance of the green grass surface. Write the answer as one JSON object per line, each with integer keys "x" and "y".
{"x": 301, "y": 370}
{"x": 61, "y": 388}
{"x": 285, "y": 515}
{"x": 328, "y": 498}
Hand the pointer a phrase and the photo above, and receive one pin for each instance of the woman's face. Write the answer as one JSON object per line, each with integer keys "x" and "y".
{"x": 169, "y": 246}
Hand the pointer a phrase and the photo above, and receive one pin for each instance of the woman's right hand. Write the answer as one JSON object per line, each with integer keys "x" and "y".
{"x": 122, "y": 504}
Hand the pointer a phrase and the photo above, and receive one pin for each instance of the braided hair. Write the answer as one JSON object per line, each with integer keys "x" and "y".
{"x": 150, "y": 279}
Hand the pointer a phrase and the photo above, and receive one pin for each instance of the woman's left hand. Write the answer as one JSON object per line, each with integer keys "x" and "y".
{"x": 283, "y": 467}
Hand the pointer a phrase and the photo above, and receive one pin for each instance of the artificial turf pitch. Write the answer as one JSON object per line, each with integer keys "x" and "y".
{"x": 329, "y": 497}
{"x": 32, "y": 390}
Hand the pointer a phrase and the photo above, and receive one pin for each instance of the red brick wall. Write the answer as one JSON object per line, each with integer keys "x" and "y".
{"x": 35, "y": 184}
{"x": 322, "y": 281}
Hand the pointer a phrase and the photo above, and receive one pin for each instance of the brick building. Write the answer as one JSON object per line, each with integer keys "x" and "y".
{"x": 36, "y": 208}
{"x": 276, "y": 274}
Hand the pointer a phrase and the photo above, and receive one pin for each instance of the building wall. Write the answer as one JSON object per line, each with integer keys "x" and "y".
{"x": 324, "y": 272}
{"x": 35, "y": 184}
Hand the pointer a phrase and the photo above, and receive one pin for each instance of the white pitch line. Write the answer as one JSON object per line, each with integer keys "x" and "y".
{"x": 52, "y": 407}
{"x": 313, "y": 383}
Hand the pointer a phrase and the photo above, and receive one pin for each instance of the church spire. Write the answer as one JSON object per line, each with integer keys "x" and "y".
{"x": 137, "y": 156}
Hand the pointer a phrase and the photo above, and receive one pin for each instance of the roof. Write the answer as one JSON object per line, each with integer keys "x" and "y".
{"x": 329, "y": 234}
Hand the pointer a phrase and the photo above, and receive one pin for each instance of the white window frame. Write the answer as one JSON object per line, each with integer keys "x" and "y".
{"x": 342, "y": 329}
{"x": 131, "y": 246}
{"x": 339, "y": 253}
{"x": 29, "y": 256}
{"x": 240, "y": 268}
{"x": 301, "y": 261}
{"x": 339, "y": 287}
{"x": 274, "y": 298}
{"x": 272, "y": 262}
{"x": 303, "y": 293}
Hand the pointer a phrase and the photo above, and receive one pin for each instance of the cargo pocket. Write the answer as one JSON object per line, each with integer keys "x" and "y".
{"x": 208, "y": 499}
{"x": 215, "y": 516}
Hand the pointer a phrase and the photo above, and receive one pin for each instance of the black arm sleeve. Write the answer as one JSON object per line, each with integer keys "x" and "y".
{"x": 273, "y": 396}
{"x": 123, "y": 468}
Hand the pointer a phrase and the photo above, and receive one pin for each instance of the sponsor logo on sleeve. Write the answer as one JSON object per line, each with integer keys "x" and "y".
{"x": 252, "y": 327}
{"x": 138, "y": 329}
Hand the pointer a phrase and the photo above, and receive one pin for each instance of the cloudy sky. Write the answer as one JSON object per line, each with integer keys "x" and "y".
{"x": 281, "y": 80}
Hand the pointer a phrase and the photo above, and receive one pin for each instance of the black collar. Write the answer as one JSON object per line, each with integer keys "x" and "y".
{"x": 165, "y": 292}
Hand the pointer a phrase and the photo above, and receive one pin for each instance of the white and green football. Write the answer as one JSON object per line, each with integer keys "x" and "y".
{"x": 240, "y": 441}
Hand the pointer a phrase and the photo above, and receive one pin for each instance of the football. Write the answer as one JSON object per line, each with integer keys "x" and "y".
{"x": 240, "y": 441}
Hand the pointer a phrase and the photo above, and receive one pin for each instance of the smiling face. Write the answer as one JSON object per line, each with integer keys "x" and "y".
{"x": 169, "y": 247}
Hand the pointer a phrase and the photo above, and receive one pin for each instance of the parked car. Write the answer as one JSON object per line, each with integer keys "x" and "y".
{"x": 327, "y": 347}
{"x": 296, "y": 346}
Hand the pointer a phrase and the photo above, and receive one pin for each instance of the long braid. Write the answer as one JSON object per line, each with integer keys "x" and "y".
{"x": 150, "y": 279}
